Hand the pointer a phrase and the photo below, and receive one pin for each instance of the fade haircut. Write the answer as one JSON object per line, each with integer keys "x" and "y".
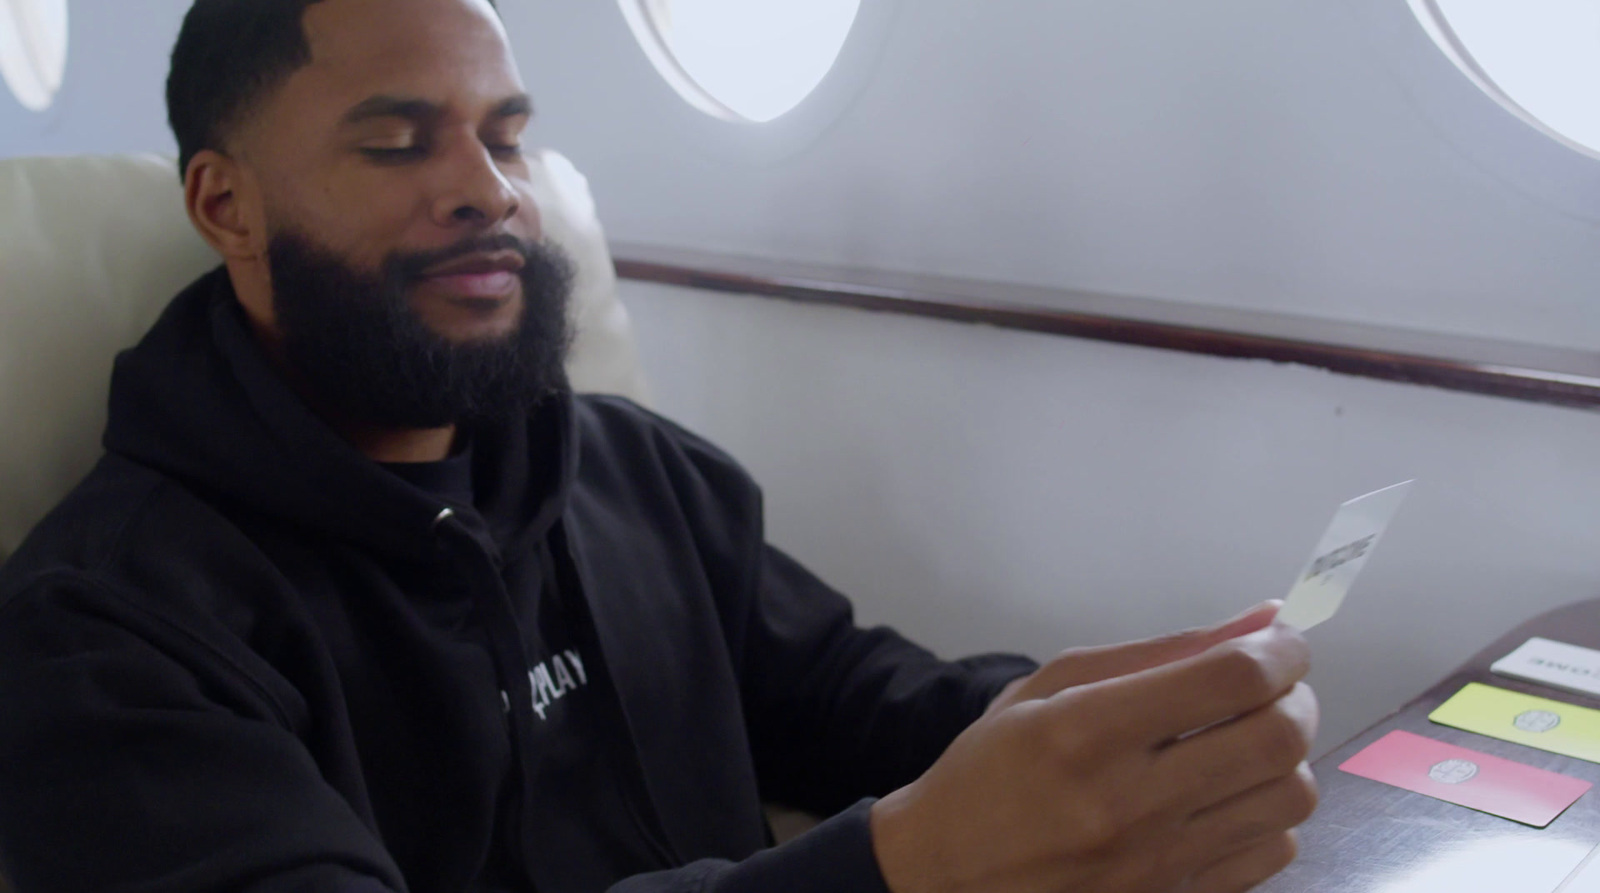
{"x": 230, "y": 55}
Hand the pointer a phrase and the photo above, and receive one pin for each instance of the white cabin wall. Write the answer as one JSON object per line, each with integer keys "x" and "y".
{"x": 988, "y": 489}
{"x": 1300, "y": 157}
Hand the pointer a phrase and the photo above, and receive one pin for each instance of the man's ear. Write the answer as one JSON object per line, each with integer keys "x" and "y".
{"x": 220, "y": 203}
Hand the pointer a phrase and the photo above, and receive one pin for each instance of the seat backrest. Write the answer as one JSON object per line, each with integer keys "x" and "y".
{"x": 93, "y": 248}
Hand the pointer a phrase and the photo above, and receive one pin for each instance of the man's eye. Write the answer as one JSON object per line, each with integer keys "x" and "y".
{"x": 393, "y": 153}
{"x": 506, "y": 151}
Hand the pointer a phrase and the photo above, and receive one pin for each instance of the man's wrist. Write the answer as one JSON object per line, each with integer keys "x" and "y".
{"x": 905, "y": 858}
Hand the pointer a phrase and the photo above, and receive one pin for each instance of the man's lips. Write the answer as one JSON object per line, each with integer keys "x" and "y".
{"x": 478, "y": 276}
{"x": 498, "y": 284}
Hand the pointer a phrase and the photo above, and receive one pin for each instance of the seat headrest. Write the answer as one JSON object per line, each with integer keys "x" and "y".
{"x": 93, "y": 248}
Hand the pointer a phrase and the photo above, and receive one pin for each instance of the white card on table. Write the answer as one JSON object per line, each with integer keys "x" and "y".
{"x": 1585, "y": 878}
{"x": 1555, "y": 664}
{"x": 1339, "y": 557}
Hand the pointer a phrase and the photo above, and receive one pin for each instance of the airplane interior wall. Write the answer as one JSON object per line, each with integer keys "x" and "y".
{"x": 991, "y": 489}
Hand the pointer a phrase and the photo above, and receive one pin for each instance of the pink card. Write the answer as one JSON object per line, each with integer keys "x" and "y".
{"x": 1472, "y": 779}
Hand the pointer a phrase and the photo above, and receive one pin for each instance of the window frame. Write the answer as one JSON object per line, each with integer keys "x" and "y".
{"x": 643, "y": 23}
{"x": 643, "y": 17}
{"x": 29, "y": 72}
{"x": 1437, "y": 24}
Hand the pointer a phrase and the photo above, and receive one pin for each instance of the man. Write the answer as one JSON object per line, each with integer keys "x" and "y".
{"x": 361, "y": 598}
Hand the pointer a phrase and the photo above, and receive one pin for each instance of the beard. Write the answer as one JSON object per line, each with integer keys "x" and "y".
{"x": 355, "y": 341}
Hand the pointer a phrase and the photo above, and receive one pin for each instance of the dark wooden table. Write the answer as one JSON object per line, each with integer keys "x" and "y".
{"x": 1368, "y": 837}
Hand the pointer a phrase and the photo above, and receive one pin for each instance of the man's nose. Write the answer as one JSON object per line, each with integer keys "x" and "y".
{"x": 477, "y": 193}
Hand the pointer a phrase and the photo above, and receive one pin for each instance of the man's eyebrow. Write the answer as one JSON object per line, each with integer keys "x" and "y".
{"x": 520, "y": 105}
{"x": 421, "y": 110}
{"x": 418, "y": 110}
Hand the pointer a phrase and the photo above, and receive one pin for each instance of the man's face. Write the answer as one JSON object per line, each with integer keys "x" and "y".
{"x": 393, "y": 187}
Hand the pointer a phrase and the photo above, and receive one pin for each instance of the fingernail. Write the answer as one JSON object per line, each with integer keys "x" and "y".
{"x": 1254, "y": 609}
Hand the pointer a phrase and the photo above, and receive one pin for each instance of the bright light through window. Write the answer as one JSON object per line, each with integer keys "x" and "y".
{"x": 1539, "y": 58}
{"x": 33, "y": 49}
{"x": 750, "y": 60}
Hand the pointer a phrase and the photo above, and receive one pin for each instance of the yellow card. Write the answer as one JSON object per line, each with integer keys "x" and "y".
{"x": 1560, "y": 728}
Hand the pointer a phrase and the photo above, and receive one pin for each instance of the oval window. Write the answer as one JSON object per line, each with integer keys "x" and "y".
{"x": 33, "y": 49}
{"x": 1538, "y": 58}
{"x": 742, "y": 60}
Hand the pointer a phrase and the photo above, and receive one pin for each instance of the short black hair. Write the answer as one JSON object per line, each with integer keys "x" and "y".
{"x": 230, "y": 54}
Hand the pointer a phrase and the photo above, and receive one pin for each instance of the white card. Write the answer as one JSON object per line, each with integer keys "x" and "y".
{"x": 1585, "y": 878}
{"x": 1555, "y": 664}
{"x": 1340, "y": 555}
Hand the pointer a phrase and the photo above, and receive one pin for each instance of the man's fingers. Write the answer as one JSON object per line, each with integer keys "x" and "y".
{"x": 1241, "y": 822}
{"x": 1155, "y": 706}
{"x": 1084, "y": 666}
{"x": 1247, "y": 868}
{"x": 1227, "y": 759}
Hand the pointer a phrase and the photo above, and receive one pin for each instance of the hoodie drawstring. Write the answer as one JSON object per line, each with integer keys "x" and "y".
{"x": 502, "y": 634}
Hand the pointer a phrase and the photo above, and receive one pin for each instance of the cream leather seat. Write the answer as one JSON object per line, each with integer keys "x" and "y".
{"x": 91, "y": 251}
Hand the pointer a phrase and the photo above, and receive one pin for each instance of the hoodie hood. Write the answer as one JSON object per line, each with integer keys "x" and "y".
{"x": 198, "y": 400}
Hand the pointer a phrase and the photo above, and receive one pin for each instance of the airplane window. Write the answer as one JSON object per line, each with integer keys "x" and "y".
{"x": 1539, "y": 58}
{"x": 742, "y": 60}
{"x": 33, "y": 49}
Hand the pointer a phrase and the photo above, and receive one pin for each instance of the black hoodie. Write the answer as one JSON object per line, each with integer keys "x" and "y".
{"x": 243, "y": 656}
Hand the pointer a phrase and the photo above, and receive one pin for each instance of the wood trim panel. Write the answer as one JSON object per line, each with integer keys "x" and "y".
{"x": 1560, "y": 376}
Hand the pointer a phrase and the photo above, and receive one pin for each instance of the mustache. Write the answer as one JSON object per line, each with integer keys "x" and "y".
{"x": 409, "y": 266}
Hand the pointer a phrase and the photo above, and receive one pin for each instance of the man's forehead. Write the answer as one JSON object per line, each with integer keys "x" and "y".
{"x": 424, "y": 48}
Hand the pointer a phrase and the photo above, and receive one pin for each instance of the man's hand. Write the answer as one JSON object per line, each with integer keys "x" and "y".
{"x": 1176, "y": 764}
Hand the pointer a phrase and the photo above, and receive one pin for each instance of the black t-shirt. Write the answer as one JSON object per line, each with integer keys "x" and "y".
{"x": 449, "y": 479}
{"x": 587, "y": 809}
